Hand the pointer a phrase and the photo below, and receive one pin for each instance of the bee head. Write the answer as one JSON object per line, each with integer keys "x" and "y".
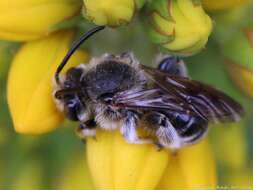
{"x": 70, "y": 96}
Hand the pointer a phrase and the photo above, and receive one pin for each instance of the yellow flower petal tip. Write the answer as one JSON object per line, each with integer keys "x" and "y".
{"x": 30, "y": 83}
{"x": 116, "y": 164}
{"x": 112, "y": 12}
{"x": 190, "y": 168}
{"x": 23, "y": 20}
{"x": 181, "y": 26}
{"x": 221, "y": 5}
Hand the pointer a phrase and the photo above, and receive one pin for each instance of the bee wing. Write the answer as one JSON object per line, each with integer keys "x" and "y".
{"x": 182, "y": 95}
{"x": 153, "y": 98}
{"x": 204, "y": 100}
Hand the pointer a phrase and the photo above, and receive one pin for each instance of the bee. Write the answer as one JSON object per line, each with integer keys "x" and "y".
{"x": 117, "y": 92}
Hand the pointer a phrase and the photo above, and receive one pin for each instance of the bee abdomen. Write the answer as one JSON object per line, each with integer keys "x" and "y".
{"x": 174, "y": 130}
{"x": 190, "y": 128}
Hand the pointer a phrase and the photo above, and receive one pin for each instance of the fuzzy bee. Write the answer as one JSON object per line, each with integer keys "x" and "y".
{"x": 116, "y": 91}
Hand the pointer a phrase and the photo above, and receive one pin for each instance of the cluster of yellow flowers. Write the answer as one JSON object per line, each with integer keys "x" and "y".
{"x": 180, "y": 27}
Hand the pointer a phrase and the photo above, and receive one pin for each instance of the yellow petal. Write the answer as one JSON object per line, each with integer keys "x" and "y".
{"x": 23, "y": 20}
{"x": 187, "y": 25}
{"x": 118, "y": 165}
{"x": 110, "y": 12}
{"x": 30, "y": 83}
{"x": 76, "y": 175}
{"x": 222, "y": 4}
{"x": 189, "y": 169}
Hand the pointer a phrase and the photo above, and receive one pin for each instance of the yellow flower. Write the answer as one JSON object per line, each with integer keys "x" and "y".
{"x": 239, "y": 58}
{"x": 30, "y": 83}
{"x": 116, "y": 164}
{"x": 22, "y": 20}
{"x": 189, "y": 169}
{"x": 222, "y": 4}
{"x": 76, "y": 175}
{"x": 112, "y": 12}
{"x": 180, "y": 26}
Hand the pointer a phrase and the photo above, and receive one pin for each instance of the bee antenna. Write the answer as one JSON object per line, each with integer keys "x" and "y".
{"x": 73, "y": 48}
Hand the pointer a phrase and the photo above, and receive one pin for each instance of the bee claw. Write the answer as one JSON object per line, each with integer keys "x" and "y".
{"x": 83, "y": 132}
{"x": 159, "y": 146}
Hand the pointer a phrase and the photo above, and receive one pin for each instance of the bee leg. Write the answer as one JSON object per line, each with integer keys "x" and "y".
{"x": 172, "y": 65}
{"x": 159, "y": 125}
{"x": 87, "y": 129}
{"x": 128, "y": 129}
{"x": 159, "y": 146}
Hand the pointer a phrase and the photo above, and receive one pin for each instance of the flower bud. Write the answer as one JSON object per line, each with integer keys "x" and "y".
{"x": 116, "y": 164}
{"x": 112, "y": 13}
{"x": 189, "y": 169}
{"x": 30, "y": 83}
{"x": 238, "y": 53}
{"x": 180, "y": 26}
{"x": 76, "y": 175}
{"x": 222, "y": 4}
{"x": 22, "y": 20}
